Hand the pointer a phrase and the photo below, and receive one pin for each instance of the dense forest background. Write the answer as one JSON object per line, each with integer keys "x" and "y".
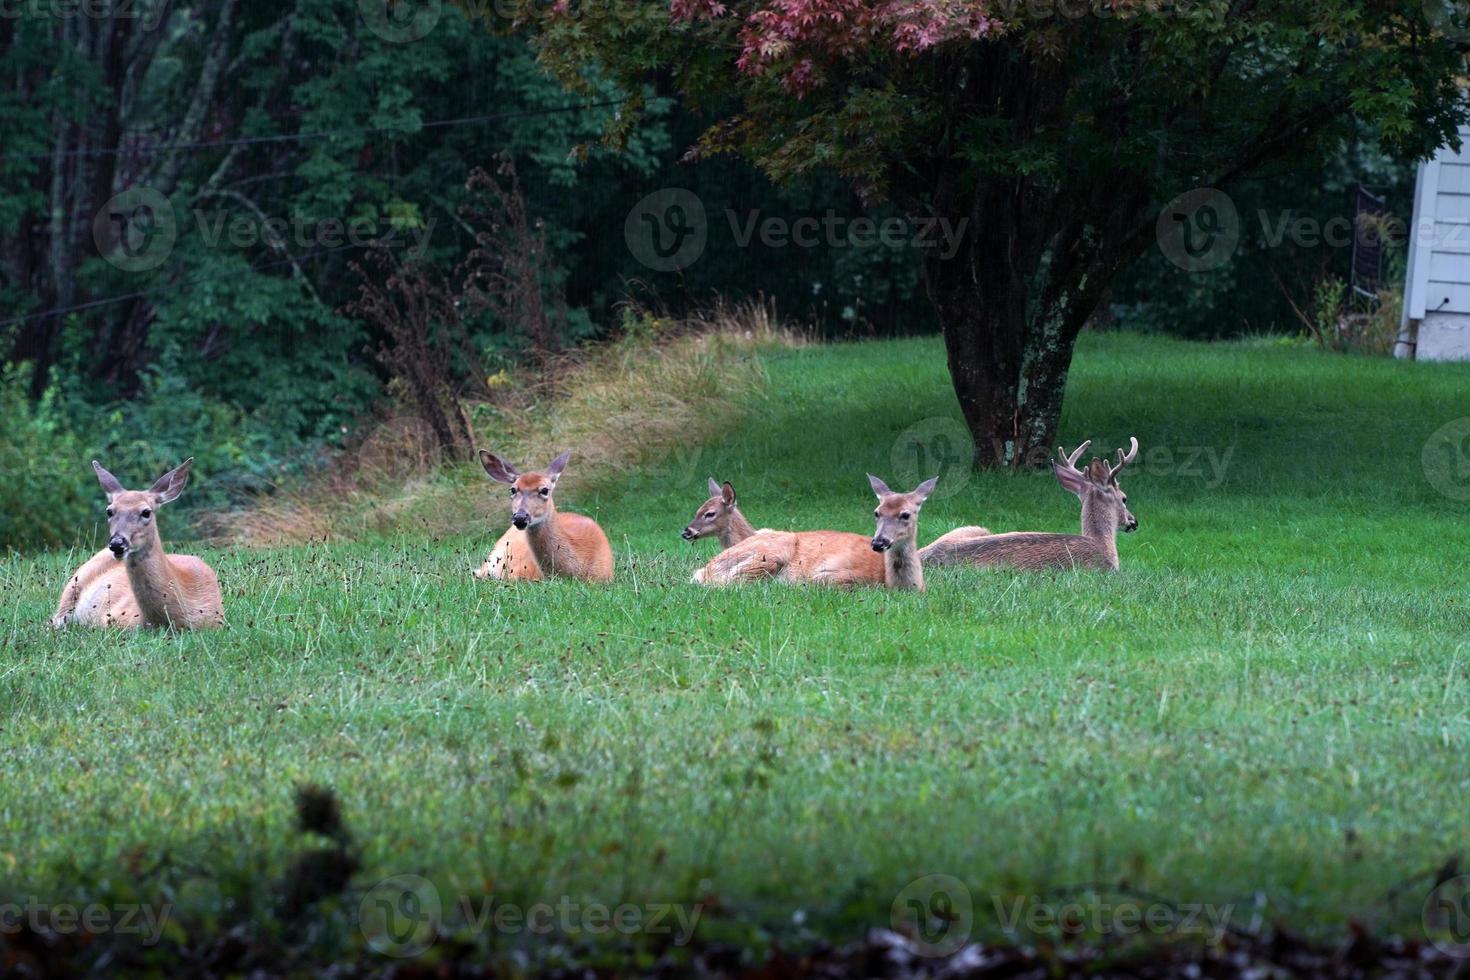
{"x": 309, "y": 169}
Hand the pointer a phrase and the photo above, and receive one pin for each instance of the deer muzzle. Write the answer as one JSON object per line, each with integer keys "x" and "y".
{"x": 521, "y": 520}
{"x": 880, "y": 543}
{"x": 688, "y": 534}
{"x": 118, "y": 545}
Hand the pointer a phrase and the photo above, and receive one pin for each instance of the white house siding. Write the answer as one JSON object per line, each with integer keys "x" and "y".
{"x": 1436, "y": 322}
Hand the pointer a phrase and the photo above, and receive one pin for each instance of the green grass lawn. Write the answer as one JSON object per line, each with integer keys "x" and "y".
{"x": 1269, "y": 703}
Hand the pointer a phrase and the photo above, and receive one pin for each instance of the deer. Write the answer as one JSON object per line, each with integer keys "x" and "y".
{"x": 720, "y": 517}
{"x": 833, "y": 557}
{"x": 511, "y": 559}
{"x": 133, "y": 582}
{"x": 557, "y": 543}
{"x": 1104, "y": 511}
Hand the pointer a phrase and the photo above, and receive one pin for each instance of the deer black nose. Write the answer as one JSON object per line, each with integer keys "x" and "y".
{"x": 117, "y": 545}
{"x": 520, "y": 520}
{"x": 881, "y": 544}
{"x": 687, "y": 534}
{"x": 1132, "y": 524}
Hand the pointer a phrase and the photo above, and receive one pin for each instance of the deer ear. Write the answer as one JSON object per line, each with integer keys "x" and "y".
{"x": 557, "y": 465}
{"x": 109, "y": 482}
{"x": 500, "y": 471}
{"x": 172, "y": 483}
{"x": 923, "y": 490}
{"x": 714, "y": 488}
{"x": 727, "y": 494}
{"x": 879, "y": 487}
{"x": 1073, "y": 481}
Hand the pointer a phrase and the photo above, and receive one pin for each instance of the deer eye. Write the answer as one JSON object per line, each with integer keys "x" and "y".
{"x": 512, "y": 491}
{"x": 904, "y": 516}
{"x": 111, "y": 512}
{"x": 146, "y": 513}
{"x": 710, "y": 516}
{"x": 545, "y": 491}
{"x": 877, "y": 514}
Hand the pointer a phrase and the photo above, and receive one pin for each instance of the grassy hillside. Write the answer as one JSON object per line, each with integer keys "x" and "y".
{"x": 1267, "y": 707}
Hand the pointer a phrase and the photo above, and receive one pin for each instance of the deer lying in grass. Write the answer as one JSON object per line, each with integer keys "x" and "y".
{"x": 720, "y": 517}
{"x": 133, "y": 582}
{"x": 556, "y": 542}
{"x": 1104, "y": 510}
{"x": 833, "y": 557}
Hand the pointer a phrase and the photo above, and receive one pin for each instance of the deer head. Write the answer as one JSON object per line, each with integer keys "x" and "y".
{"x": 530, "y": 493}
{"x": 1104, "y": 504}
{"x": 898, "y": 513}
{"x": 713, "y": 515}
{"x": 132, "y": 528}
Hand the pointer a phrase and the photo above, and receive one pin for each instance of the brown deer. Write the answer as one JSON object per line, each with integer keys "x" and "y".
{"x": 558, "y": 543}
{"x": 1104, "y": 511}
{"x": 133, "y": 582}
{"x": 511, "y": 558}
{"x": 720, "y": 517}
{"x": 896, "y": 537}
{"x": 832, "y": 557}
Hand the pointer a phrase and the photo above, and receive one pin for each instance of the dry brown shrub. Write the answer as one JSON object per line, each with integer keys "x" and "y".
{"x": 619, "y": 407}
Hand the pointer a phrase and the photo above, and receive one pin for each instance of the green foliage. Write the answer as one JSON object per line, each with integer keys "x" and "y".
{"x": 48, "y": 495}
{"x": 1270, "y": 269}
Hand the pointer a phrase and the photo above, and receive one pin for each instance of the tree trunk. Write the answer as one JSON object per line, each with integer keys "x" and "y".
{"x": 1011, "y": 311}
{"x": 1009, "y": 374}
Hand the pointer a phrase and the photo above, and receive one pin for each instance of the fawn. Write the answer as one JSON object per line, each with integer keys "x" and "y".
{"x": 133, "y": 582}
{"x": 832, "y": 557}
{"x": 719, "y": 516}
{"x": 556, "y": 543}
{"x": 1104, "y": 510}
{"x": 896, "y": 537}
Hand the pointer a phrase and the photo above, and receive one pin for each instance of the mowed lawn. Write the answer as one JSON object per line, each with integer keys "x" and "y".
{"x": 1268, "y": 704}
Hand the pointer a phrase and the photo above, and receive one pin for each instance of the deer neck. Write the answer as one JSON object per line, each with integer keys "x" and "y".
{"x": 152, "y": 581}
{"x": 1100, "y": 524}
{"x": 901, "y": 566}
{"x": 548, "y": 544}
{"x": 736, "y": 529}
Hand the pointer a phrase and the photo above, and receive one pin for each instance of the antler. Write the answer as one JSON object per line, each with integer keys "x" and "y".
{"x": 1125, "y": 460}
{"x": 1072, "y": 459}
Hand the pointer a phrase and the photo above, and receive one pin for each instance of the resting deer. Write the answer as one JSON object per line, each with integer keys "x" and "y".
{"x": 1104, "y": 510}
{"x": 896, "y": 537}
{"x": 557, "y": 543}
{"x": 832, "y": 557}
{"x": 719, "y": 516}
{"x": 133, "y": 582}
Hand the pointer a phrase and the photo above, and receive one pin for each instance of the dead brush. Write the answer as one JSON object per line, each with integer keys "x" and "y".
{"x": 628, "y": 404}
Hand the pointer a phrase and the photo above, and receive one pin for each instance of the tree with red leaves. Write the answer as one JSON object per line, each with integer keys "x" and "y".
{"x": 1049, "y": 134}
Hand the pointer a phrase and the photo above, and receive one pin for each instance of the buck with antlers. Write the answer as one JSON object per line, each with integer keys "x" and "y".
{"x": 133, "y": 582}
{"x": 556, "y": 543}
{"x": 1104, "y": 511}
{"x": 719, "y": 516}
{"x": 889, "y": 558}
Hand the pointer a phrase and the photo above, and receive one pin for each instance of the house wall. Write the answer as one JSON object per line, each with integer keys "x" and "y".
{"x": 1436, "y": 324}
